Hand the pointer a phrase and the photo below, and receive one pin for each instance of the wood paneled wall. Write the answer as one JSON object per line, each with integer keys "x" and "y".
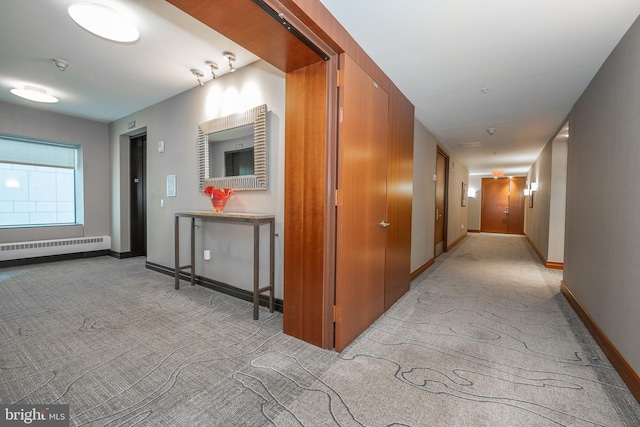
{"x": 399, "y": 196}
{"x": 306, "y": 197}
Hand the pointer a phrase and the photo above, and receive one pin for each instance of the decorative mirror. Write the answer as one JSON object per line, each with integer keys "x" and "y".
{"x": 232, "y": 151}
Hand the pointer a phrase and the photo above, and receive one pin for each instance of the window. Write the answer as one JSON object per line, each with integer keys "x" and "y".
{"x": 37, "y": 183}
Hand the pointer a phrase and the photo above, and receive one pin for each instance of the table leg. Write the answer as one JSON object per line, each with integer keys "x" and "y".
{"x": 177, "y": 252}
{"x": 193, "y": 251}
{"x": 256, "y": 270}
{"x": 272, "y": 244}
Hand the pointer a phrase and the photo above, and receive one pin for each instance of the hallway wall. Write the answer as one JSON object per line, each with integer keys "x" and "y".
{"x": 602, "y": 253}
{"x": 545, "y": 221}
{"x": 425, "y": 146}
{"x": 175, "y": 121}
{"x": 92, "y": 136}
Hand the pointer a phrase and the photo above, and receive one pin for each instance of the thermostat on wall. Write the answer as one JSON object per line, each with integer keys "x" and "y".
{"x": 171, "y": 186}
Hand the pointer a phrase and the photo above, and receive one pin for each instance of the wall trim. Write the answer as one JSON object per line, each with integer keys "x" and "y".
{"x": 52, "y": 258}
{"x": 626, "y": 372}
{"x": 418, "y": 271}
{"x": 473, "y": 231}
{"x": 456, "y": 242}
{"x": 120, "y": 255}
{"x": 217, "y": 285}
{"x": 555, "y": 265}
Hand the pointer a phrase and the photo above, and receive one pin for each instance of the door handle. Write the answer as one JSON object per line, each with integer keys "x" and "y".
{"x": 506, "y": 211}
{"x": 136, "y": 180}
{"x": 385, "y": 224}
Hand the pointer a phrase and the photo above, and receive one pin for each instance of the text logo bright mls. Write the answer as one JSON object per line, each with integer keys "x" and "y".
{"x": 34, "y": 415}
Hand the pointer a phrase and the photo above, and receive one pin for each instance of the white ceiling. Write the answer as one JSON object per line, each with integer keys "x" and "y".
{"x": 535, "y": 57}
{"x": 106, "y": 80}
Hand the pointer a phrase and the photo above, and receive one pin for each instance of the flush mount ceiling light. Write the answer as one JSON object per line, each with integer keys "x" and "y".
{"x": 33, "y": 93}
{"x": 230, "y": 57}
{"x": 103, "y": 21}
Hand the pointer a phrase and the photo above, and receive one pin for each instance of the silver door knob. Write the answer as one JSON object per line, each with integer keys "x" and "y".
{"x": 385, "y": 224}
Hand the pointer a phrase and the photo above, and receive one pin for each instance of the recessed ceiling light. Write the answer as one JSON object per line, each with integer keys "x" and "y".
{"x": 36, "y": 94}
{"x": 103, "y": 22}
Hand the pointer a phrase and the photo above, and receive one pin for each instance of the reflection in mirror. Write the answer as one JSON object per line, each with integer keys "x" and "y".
{"x": 232, "y": 151}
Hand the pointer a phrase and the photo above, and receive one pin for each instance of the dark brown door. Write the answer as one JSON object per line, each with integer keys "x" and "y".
{"x": 441, "y": 205}
{"x": 503, "y": 205}
{"x": 361, "y": 211}
{"x": 138, "y": 200}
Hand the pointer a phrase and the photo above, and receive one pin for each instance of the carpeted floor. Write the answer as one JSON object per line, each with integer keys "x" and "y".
{"x": 484, "y": 338}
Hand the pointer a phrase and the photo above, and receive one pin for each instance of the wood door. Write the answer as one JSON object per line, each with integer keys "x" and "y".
{"x": 361, "y": 210}
{"x": 503, "y": 205}
{"x": 440, "y": 214}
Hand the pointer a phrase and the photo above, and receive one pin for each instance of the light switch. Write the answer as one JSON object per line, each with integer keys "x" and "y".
{"x": 161, "y": 147}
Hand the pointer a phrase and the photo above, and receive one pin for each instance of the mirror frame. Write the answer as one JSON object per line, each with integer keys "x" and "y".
{"x": 257, "y": 117}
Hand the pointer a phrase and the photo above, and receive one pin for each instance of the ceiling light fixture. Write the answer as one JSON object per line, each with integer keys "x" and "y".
{"x": 60, "y": 64}
{"x": 198, "y": 75}
{"x": 213, "y": 67}
{"x": 230, "y": 57}
{"x": 36, "y": 94}
{"x": 103, "y": 22}
{"x": 491, "y": 131}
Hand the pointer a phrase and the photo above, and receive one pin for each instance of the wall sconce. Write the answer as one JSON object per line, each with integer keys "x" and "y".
{"x": 534, "y": 186}
{"x": 471, "y": 193}
{"x": 230, "y": 57}
{"x": 198, "y": 75}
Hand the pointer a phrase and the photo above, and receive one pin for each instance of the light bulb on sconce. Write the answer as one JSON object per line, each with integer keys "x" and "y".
{"x": 213, "y": 67}
{"x": 230, "y": 57}
{"x": 198, "y": 75}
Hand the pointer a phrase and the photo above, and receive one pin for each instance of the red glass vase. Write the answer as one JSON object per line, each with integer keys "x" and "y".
{"x": 218, "y": 196}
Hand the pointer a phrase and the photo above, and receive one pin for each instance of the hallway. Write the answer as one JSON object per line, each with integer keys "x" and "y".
{"x": 483, "y": 338}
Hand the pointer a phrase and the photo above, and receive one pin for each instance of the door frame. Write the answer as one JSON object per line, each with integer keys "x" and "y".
{"x": 445, "y": 213}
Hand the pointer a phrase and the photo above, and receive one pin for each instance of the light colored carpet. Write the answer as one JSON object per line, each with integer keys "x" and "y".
{"x": 484, "y": 338}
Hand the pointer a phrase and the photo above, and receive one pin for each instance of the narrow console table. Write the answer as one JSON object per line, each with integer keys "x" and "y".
{"x": 238, "y": 218}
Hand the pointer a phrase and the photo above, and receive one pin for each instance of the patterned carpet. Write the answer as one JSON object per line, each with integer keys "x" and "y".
{"x": 484, "y": 338}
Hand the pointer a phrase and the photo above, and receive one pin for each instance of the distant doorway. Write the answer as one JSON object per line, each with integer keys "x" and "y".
{"x": 138, "y": 192}
{"x": 503, "y": 205}
{"x": 442, "y": 177}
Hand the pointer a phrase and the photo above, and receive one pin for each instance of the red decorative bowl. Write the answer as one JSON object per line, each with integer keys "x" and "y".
{"x": 218, "y": 196}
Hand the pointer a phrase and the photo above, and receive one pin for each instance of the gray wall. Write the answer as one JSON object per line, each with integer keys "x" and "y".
{"x": 545, "y": 221}
{"x": 602, "y": 253}
{"x": 458, "y": 215}
{"x": 175, "y": 121}
{"x": 425, "y": 147}
{"x": 474, "y": 204}
{"x": 19, "y": 120}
